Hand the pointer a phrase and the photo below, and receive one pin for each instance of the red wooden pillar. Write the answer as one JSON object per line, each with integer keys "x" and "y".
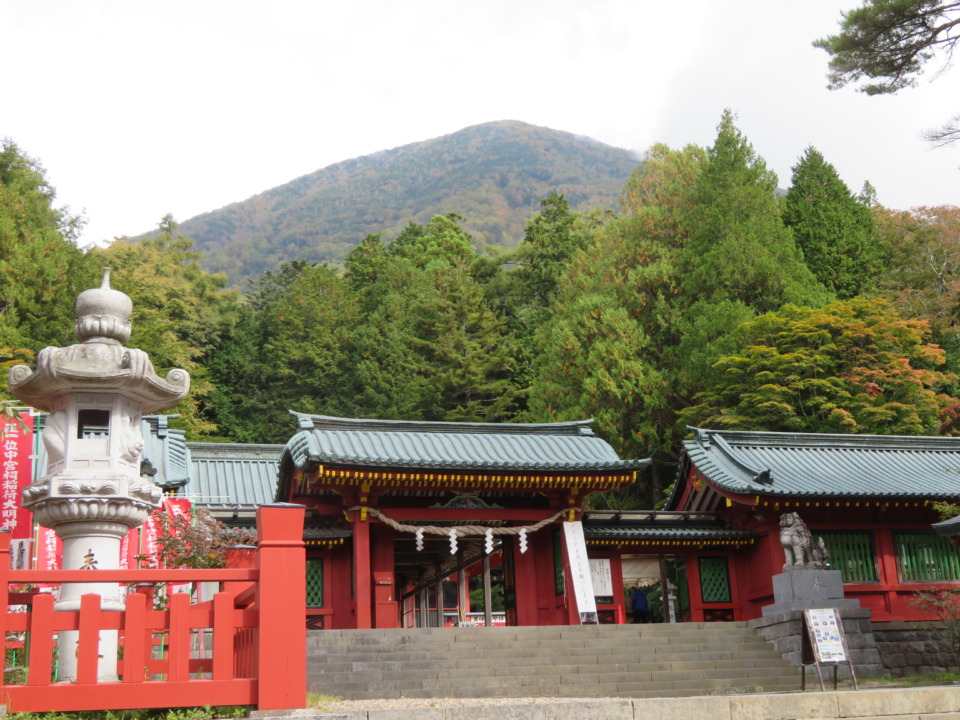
{"x": 363, "y": 589}
{"x": 694, "y": 596}
{"x": 386, "y": 613}
{"x": 619, "y": 594}
{"x": 281, "y": 598}
{"x": 889, "y": 577}
{"x": 525, "y": 587}
{"x": 572, "y": 611}
{"x": 341, "y": 601}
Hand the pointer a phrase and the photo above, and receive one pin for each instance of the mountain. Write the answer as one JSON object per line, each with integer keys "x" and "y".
{"x": 494, "y": 175}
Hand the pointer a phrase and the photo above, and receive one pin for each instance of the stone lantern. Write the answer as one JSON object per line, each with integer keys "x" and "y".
{"x": 95, "y": 393}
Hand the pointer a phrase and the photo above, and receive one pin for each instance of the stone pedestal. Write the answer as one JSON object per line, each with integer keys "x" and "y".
{"x": 785, "y": 631}
{"x": 90, "y": 548}
{"x": 804, "y": 589}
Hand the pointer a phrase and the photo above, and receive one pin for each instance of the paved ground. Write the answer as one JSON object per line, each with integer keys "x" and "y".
{"x": 927, "y": 703}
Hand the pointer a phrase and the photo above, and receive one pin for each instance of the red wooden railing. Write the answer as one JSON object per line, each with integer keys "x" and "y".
{"x": 254, "y": 639}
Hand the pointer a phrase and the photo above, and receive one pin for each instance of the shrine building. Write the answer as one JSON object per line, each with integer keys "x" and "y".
{"x": 405, "y": 519}
{"x": 868, "y": 496}
{"x": 414, "y": 524}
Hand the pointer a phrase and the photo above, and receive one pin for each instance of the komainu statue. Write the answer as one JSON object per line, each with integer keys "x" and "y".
{"x": 798, "y": 546}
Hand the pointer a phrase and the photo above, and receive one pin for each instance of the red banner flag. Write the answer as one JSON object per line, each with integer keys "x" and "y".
{"x": 175, "y": 507}
{"x": 49, "y": 549}
{"x": 129, "y": 549}
{"x": 16, "y": 454}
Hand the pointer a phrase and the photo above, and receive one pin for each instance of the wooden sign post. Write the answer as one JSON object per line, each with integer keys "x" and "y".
{"x": 824, "y": 644}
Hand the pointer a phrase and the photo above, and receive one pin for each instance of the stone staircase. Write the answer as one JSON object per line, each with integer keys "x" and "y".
{"x": 627, "y": 661}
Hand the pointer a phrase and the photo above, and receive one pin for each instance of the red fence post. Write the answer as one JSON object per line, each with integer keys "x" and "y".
{"x": 281, "y": 600}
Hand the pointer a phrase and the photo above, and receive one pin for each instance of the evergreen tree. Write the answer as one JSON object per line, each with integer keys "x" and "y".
{"x": 364, "y": 262}
{"x": 42, "y": 269}
{"x": 605, "y": 348}
{"x": 739, "y": 248}
{"x": 659, "y": 193}
{"x": 524, "y": 295}
{"x": 834, "y": 231}
{"x": 888, "y": 42}
{"x": 429, "y": 345}
{"x": 388, "y": 357}
{"x": 741, "y": 259}
{"x": 290, "y": 348}
{"x": 551, "y": 239}
{"x": 309, "y": 341}
{"x": 243, "y": 402}
{"x": 469, "y": 357}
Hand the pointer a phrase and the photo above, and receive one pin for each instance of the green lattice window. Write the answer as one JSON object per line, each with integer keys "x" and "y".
{"x": 853, "y": 555}
{"x": 315, "y": 582}
{"x": 683, "y": 591}
{"x": 926, "y": 557}
{"x": 714, "y": 580}
{"x": 558, "y": 586}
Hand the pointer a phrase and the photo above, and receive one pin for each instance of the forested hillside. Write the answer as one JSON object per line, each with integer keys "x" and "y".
{"x": 493, "y": 175}
{"x": 708, "y": 299}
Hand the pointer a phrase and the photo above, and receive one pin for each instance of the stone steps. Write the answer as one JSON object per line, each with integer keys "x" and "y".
{"x": 633, "y": 661}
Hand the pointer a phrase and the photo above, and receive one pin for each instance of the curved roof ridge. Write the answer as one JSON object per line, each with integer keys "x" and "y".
{"x": 307, "y": 421}
{"x": 825, "y": 465}
{"x": 823, "y": 440}
{"x": 758, "y": 476}
{"x": 472, "y": 446}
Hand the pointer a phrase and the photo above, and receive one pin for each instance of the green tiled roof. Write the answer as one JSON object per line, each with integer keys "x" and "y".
{"x": 665, "y": 533}
{"x": 827, "y": 466}
{"x": 659, "y": 525}
{"x": 558, "y": 447}
{"x": 227, "y": 474}
{"x": 166, "y": 450}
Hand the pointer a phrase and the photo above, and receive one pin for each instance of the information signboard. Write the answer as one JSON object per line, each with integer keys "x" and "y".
{"x": 824, "y": 644}
{"x": 602, "y": 577}
{"x": 826, "y": 635}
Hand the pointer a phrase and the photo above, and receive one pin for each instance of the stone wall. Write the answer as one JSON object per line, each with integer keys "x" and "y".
{"x": 785, "y": 630}
{"x": 907, "y": 648}
{"x": 876, "y": 648}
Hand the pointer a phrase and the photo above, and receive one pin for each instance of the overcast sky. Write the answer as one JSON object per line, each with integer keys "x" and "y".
{"x": 138, "y": 108}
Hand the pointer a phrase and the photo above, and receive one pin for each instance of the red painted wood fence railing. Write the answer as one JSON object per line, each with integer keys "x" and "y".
{"x": 245, "y": 646}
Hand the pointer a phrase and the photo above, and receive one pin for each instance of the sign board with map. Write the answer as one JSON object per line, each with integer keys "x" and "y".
{"x": 824, "y": 642}
{"x": 826, "y": 635}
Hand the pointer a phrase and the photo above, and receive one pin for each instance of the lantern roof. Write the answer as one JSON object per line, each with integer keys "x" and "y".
{"x": 100, "y": 362}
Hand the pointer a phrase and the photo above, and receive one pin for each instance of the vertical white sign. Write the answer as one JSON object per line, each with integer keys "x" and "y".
{"x": 580, "y": 572}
